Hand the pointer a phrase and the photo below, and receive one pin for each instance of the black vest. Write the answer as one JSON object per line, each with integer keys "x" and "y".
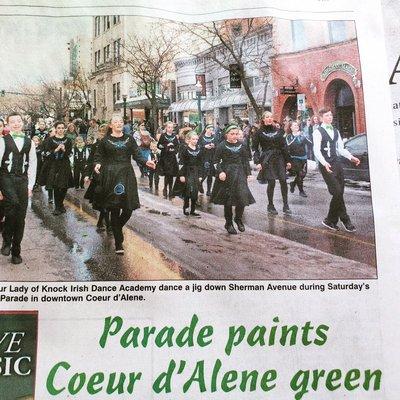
{"x": 328, "y": 145}
{"x": 14, "y": 161}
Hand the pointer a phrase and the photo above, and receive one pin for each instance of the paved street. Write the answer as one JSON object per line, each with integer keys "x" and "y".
{"x": 161, "y": 243}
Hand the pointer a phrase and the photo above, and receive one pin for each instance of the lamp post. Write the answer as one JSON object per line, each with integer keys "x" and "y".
{"x": 124, "y": 97}
{"x": 199, "y": 90}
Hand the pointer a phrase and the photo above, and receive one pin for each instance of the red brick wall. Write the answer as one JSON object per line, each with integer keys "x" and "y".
{"x": 304, "y": 68}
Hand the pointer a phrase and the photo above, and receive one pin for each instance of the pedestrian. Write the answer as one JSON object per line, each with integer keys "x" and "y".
{"x": 92, "y": 130}
{"x": 297, "y": 146}
{"x": 328, "y": 147}
{"x": 117, "y": 189}
{"x": 127, "y": 129}
{"x": 154, "y": 178}
{"x": 17, "y": 177}
{"x": 92, "y": 178}
{"x": 41, "y": 130}
{"x": 168, "y": 165}
{"x": 272, "y": 160}
{"x": 190, "y": 174}
{"x": 39, "y": 160}
{"x": 3, "y": 132}
{"x": 71, "y": 132}
{"x": 57, "y": 176}
{"x": 208, "y": 143}
{"x": 230, "y": 187}
{"x": 80, "y": 155}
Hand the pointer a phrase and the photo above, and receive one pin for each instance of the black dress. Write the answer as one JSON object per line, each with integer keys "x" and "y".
{"x": 117, "y": 186}
{"x": 270, "y": 151}
{"x": 208, "y": 154}
{"x": 169, "y": 146}
{"x": 297, "y": 148}
{"x": 56, "y": 170}
{"x": 89, "y": 172}
{"x": 192, "y": 170}
{"x": 232, "y": 158}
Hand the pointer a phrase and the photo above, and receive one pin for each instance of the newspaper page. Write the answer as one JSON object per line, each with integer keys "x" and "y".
{"x": 198, "y": 201}
{"x": 391, "y": 12}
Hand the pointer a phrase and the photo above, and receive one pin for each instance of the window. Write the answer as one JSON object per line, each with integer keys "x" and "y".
{"x": 116, "y": 19}
{"x": 106, "y": 53}
{"x": 97, "y": 26}
{"x": 106, "y": 22}
{"x": 236, "y": 29}
{"x": 116, "y": 92}
{"x": 97, "y": 58}
{"x": 337, "y": 31}
{"x": 117, "y": 51}
{"x": 298, "y": 35}
{"x": 253, "y": 81}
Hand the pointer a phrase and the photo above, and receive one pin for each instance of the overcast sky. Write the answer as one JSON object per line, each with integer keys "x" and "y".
{"x": 35, "y": 47}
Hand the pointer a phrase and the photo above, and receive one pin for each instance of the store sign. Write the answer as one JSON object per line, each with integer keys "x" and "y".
{"x": 234, "y": 77}
{"x": 239, "y": 110}
{"x": 301, "y": 102}
{"x": 202, "y": 79}
{"x": 288, "y": 90}
{"x": 338, "y": 66}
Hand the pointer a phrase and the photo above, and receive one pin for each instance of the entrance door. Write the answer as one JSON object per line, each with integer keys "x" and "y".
{"x": 340, "y": 97}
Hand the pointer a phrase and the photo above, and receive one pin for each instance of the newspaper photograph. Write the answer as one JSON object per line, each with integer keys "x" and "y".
{"x": 198, "y": 201}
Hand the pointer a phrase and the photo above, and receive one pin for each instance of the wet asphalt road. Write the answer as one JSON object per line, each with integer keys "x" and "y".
{"x": 69, "y": 248}
{"x": 163, "y": 244}
{"x": 305, "y": 224}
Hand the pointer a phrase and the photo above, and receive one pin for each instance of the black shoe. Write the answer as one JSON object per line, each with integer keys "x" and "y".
{"x": 16, "y": 260}
{"x": 292, "y": 186}
{"x": 185, "y": 211}
{"x": 330, "y": 225}
{"x": 208, "y": 193}
{"x": 286, "y": 209}
{"x": 63, "y": 209}
{"x": 6, "y": 249}
{"x": 109, "y": 229}
{"x": 271, "y": 209}
{"x": 240, "y": 225}
{"x": 51, "y": 201}
{"x": 201, "y": 190}
{"x": 119, "y": 249}
{"x": 195, "y": 214}
{"x": 100, "y": 228}
{"x": 303, "y": 194}
{"x": 57, "y": 211}
{"x": 230, "y": 228}
{"x": 348, "y": 226}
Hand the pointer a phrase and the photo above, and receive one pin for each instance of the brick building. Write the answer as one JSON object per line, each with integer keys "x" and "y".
{"x": 327, "y": 72}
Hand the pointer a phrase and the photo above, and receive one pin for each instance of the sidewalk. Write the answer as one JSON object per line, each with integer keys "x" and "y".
{"x": 204, "y": 250}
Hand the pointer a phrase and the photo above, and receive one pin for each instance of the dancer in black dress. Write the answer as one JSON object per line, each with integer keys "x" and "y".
{"x": 208, "y": 142}
{"x": 56, "y": 171}
{"x": 190, "y": 175}
{"x": 90, "y": 176}
{"x": 117, "y": 188}
{"x": 168, "y": 164}
{"x": 233, "y": 170}
{"x": 80, "y": 155}
{"x": 297, "y": 147}
{"x": 272, "y": 160}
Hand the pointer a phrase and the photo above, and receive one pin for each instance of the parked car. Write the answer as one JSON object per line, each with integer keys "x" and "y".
{"x": 357, "y": 146}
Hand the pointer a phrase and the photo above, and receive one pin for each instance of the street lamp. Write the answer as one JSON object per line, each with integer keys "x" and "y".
{"x": 124, "y": 97}
{"x": 199, "y": 91}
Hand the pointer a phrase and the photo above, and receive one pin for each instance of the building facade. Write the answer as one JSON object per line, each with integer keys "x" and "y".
{"x": 320, "y": 60}
{"x": 219, "y": 102}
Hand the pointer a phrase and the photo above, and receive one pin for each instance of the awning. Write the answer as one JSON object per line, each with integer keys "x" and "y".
{"x": 185, "y": 105}
{"x": 141, "y": 102}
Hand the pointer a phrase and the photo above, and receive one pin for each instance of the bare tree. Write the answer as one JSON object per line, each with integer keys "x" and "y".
{"x": 246, "y": 42}
{"x": 149, "y": 59}
{"x": 49, "y": 98}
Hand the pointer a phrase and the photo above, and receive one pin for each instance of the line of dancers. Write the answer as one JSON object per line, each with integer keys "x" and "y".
{"x": 185, "y": 162}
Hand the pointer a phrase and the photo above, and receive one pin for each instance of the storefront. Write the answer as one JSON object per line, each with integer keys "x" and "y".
{"x": 329, "y": 76}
